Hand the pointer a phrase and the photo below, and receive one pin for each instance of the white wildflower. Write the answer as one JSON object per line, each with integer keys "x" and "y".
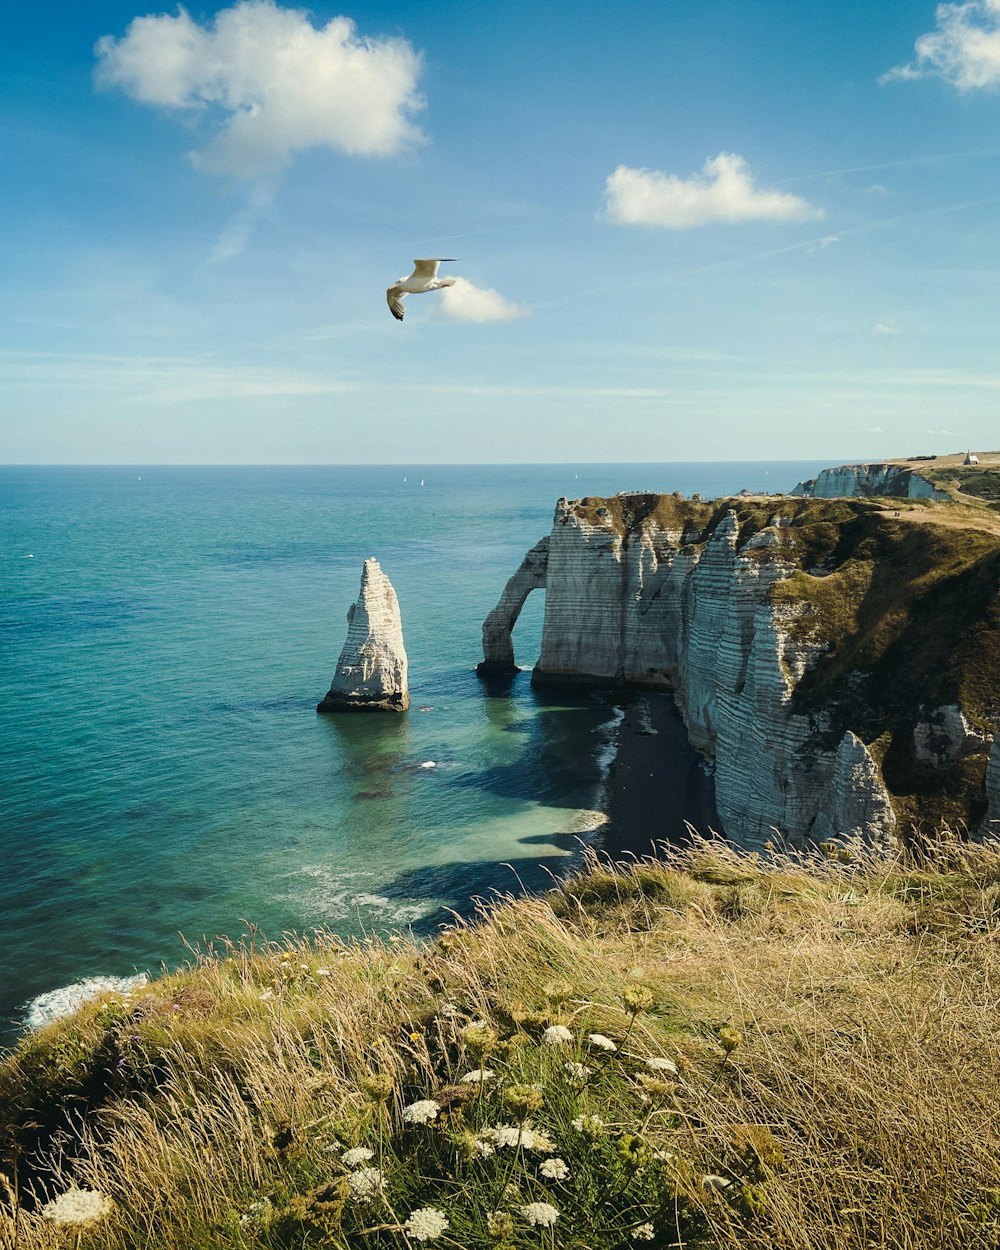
{"x": 266, "y": 996}
{"x": 577, "y": 1071}
{"x": 323, "y": 972}
{"x": 587, "y": 1123}
{"x": 541, "y": 1213}
{"x": 365, "y": 1183}
{"x": 477, "y": 1076}
{"x": 77, "y": 1206}
{"x": 426, "y": 1224}
{"x": 601, "y": 1042}
{"x": 256, "y": 1214}
{"x": 422, "y": 1111}
{"x": 662, "y": 1065}
{"x": 555, "y": 1034}
{"x": 519, "y": 1135}
{"x": 554, "y": 1169}
{"x": 359, "y": 1155}
{"x": 715, "y": 1184}
{"x": 645, "y": 1232}
{"x": 484, "y": 1148}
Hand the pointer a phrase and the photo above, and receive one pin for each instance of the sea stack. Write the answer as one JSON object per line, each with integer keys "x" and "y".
{"x": 371, "y": 671}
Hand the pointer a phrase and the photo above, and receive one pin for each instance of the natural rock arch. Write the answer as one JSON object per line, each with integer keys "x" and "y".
{"x": 498, "y": 647}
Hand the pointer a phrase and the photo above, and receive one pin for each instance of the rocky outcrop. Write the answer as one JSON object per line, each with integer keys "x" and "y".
{"x": 859, "y": 806}
{"x": 793, "y": 642}
{"x": 371, "y": 673}
{"x": 897, "y": 480}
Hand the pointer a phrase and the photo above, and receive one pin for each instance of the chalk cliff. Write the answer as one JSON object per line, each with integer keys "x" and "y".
{"x": 371, "y": 674}
{"x": 901, "y": 481}
{"x": 840, "y": 668}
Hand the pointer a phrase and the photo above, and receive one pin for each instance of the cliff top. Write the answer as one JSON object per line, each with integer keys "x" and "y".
{"x": 713, "y": 1050}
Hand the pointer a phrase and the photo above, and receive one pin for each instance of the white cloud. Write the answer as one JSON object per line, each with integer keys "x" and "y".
{"x": 466, "y": 302}
{"x": 874, "y": 429}
{"x": 723, "y": 191}
{"x": 964, "y": 49}
{"x": 886, "y": 327}
{"x": 280, "y": 84}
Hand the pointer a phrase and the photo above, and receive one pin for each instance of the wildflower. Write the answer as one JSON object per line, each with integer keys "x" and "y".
{"x": 557, "y": 991}
{"x": 577, "y": 1071}
{"x": 478, "y": 1076}
{"x": 77, "y": 1206}
{"x": 523, "y": 1099}
{"x": 637, "y": 998}
{"x": 422, "y": 1111}
{"x": 729, "y": 1039}
{"x": 479, "y": 1037}
{"x": 554, "y": 1169}
{"x": 645, "y": 1232}
{"x": 323, "y": 972}
{"x": 365, "y": 1183}
{"x": 656, "y": 1064}
{"x": 715, "y": 1184}
{"x": 266, "y": 996}
{"x": 257, "y": 1214}
{"x": 378, "y": 1087}
{"x": 555, "y": 1034}
{"x": 518, "y": 1135}
{"x": 656, "y": 1088}
{"x": 600, "y": 1042}
{"x": 359, "y": 1155}
{"x": 591, "y": 1126}
{"x": 633, "y": 1150}
{"x": 541, "y": 1213}
{"x": 426, "y": 1224}
{"x": 500, "y": 1225}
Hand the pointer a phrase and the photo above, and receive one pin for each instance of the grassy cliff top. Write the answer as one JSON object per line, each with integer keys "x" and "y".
{"x": 710, "y": 1050}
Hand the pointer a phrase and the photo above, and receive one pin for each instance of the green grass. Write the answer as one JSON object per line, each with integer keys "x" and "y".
{"x": 827, "y": 1060}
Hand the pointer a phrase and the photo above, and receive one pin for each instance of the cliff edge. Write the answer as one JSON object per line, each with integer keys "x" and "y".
{"x": 837, "y": 661}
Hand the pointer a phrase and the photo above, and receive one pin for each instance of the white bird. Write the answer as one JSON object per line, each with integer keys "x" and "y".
{"x": 423, "y": 278}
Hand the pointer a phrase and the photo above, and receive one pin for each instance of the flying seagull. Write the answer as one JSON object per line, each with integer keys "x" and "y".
{"x": 423, "y": 278}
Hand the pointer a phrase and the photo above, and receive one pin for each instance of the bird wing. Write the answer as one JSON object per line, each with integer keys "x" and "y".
{"x": 394, "y": 298}
{"x": 428, "y": 267}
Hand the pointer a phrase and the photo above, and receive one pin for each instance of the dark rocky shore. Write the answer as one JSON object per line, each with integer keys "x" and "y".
{"x": 657, "y": 784}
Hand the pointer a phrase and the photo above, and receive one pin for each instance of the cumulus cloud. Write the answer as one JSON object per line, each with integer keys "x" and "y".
{"x": 270, "y": 82}
{"x": 886, "y": 327}
{"x": 963, "y": 49}
{"x": 724, "y": 191}
{"x": 466, "y": 302}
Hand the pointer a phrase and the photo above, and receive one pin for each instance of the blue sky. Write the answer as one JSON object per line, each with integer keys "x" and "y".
{"x": 713, "y": 231}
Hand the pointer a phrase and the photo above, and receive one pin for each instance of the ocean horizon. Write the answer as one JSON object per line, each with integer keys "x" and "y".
{"x": 168, "y": 631}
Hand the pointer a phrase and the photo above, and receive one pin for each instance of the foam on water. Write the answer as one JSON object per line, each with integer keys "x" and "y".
{"x": 65, "y": 1000}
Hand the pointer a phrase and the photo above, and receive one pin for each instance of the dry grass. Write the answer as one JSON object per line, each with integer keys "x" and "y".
{"x": 833, "y": 1022}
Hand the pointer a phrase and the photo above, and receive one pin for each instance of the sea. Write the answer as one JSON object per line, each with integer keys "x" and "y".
{"x": 165, "y": 781}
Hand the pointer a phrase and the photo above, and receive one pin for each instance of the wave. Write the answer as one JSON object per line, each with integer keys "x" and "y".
{"x": 55, "y": 1004}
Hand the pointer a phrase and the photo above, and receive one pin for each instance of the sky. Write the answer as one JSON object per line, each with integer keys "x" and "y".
{"x": 720, "y": 231}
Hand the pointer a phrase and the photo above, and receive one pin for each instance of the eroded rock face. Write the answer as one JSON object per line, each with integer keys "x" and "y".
{"x": 869, "y": 479}
{"x": 650, "y": 592}
{"x": 371, "y": 673}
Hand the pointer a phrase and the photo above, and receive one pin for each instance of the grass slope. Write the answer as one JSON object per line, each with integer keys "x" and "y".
{"x": 709, "y": 1050}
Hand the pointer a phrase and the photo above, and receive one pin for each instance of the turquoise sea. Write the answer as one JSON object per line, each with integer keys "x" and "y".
{"x": 165, "y": 634}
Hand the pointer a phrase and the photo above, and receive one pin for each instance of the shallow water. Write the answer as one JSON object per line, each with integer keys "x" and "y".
{"x": 166, "y": 634}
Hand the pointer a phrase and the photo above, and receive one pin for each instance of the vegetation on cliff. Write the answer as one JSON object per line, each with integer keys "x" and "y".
{"x": 709, "y": 1050}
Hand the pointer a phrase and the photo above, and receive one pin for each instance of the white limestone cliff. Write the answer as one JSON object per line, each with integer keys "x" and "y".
{"x": 498, "y": 648}
{"x": 653, "y": 605}
{"x": 371, "y": 674}
{"x": 900, "y": 481}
